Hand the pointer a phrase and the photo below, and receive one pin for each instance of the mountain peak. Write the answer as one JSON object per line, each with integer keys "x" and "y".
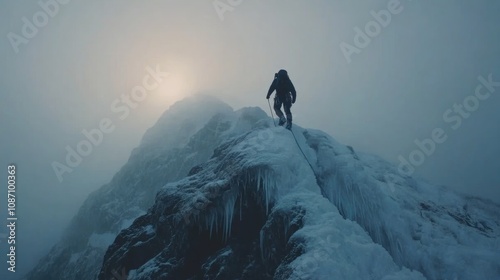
{"x": 214, "y": 193}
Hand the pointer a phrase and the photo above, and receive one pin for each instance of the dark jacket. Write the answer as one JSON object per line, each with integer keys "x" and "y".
{"x": 283, "y": 86}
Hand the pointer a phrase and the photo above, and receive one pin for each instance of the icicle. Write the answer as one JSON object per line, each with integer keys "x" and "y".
{"x": 211, "y": 224}
{"x": 220, "y": 219}
{"x": 286, "y": 224}
{"x": 216, "y": 220}
{"x": 259, "y": 176}
{"x": 241, "y": 203}
{"x": 228, "y": 215}
{"x": 261, "y": 241}
{"x": 267, "y": 187}
{"x": 270, "y": 189}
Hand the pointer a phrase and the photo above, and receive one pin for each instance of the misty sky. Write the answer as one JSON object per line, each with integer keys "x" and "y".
{"x": 380, "y": 99}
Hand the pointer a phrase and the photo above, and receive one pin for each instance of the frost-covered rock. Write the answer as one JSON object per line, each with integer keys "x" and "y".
{"x": 429, "y": 228}
{"x": 183, "y": 137}
{"x": 254, "y": 211}
{"x": 230, "y": 196}
{"x": 258, "y": 210}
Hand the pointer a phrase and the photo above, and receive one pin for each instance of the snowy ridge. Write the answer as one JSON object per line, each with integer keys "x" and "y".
{"x": 248, "y": 163}
{"x": 263, "y": 164}
{"x": 183, "y": 137}
{"x": 229, "y": 196}
{"x": 352, "y": 217}
{"x": 428, "y": 228}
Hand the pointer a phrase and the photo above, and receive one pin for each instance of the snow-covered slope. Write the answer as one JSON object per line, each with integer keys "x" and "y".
{"x": 432, "y": 229}
{"x": 217, "y": 194}
{"x": 254, "y": 211}
{"x": 258, "y": 210}
{"x": 183, "y": 137}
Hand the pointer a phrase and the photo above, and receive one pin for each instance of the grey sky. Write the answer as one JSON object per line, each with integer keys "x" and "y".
{"x": 394, "y": 91}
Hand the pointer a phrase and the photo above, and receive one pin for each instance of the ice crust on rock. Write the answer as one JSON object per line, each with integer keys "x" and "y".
{"x": 214, "y": 193}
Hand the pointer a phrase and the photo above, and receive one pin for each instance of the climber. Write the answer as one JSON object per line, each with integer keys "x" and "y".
{"x": 284, "y": 87}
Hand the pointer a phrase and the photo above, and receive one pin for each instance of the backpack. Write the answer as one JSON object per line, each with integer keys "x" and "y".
{"x": 281, "y": 81}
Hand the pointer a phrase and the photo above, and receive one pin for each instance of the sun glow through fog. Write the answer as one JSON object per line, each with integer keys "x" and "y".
{"x": 172, "y": 89}
{"x": 180, "y": 82}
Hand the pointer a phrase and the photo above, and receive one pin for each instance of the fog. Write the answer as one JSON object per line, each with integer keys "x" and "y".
{"x": 378, "y": 95}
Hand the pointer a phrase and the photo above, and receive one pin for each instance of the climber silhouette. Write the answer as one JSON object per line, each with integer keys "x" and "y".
{"x": 285, "y": 95}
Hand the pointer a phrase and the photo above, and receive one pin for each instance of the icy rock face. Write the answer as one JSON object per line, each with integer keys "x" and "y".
{"x": 230, "y": 196}
{"x": 185, "y": 136}
{"x": 253, "y": 211}
{"x": 258, "y": 210}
